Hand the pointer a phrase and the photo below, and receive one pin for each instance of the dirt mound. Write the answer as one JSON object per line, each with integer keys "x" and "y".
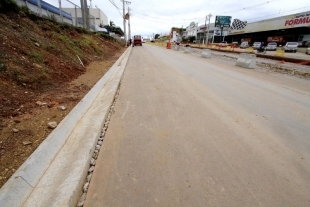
{"x": 39, "y": 60}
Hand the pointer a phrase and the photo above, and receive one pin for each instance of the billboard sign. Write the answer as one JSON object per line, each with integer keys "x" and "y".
{"x": 222, "y": 21}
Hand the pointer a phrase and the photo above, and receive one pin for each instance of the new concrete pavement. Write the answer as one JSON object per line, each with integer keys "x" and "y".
{"x": 189, "y": 131}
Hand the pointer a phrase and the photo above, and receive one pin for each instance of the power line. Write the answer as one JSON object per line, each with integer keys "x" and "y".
{"x": 117, "y": 8}
{"x": 250, "y": 7}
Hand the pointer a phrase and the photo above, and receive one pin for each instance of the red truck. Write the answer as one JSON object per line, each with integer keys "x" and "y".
{"x": 137, "y": 40}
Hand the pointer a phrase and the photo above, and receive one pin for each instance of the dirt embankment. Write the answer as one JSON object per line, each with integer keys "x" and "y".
{"x": 40, "y": 70}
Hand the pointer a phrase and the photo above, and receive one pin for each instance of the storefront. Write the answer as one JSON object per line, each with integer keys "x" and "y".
{"x": 216, "y": 35}
{"x": 291, "y": 28}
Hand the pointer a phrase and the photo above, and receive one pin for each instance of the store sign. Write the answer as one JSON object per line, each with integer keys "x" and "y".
{"x": 275, "y": 39}
{"x": 246, "y": 40}
{"x": 285, "y": 22}
{"x": 299, "y": 20}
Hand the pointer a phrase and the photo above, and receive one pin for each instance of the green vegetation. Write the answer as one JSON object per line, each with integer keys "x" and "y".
{"x": 164, "y": 38}
{"x": 38, "y": 57}
{"x": 2, "y": 66}
{"x": 24, "y": 9}
{"x": 8, "y": 6}
{"x": 66, "y": 40}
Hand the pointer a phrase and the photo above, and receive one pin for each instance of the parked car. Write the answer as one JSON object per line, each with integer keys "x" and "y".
{"x": 291, "y": 46}
{"x": 223, "y": 44}
{"x": 235, "y": 44}
{"x": 308, "y": 49}
{"x": 272, "y": 46}
{"x": 244, "y": 45}
{"x": 256, "y": 45}
{"x": 137, "y": 40}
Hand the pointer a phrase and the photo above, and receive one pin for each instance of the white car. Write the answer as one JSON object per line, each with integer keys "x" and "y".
{"x": 291, "y": 46}
{"x": 256, "y": 45}
{"x": 244, "y": 45}
{"x": 272, "y": 46}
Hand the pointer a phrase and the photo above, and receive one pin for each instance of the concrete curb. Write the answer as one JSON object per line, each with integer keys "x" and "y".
{"x": 54, "y": 173}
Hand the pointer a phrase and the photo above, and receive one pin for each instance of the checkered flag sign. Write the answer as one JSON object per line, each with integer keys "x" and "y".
{"x": 237, "y": 25}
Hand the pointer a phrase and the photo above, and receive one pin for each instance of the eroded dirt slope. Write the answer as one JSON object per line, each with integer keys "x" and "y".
{"x": 40, "y": 70}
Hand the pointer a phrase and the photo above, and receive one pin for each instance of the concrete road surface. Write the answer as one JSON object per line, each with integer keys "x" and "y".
{"x": 189, "y": 131}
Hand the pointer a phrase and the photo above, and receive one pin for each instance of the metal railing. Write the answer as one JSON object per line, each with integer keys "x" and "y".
{"x": 71, "y": 14}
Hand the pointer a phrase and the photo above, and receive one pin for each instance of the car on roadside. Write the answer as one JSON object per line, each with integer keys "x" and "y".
{"x": 256, "y": 45}
{"x": 244, "y": 45}
{"x": 235, "y": 44}
{"x": 272, "y": 46}
{"x": 307, "y": 44}
{"x": 291, "y": 46}
{"x": 137, "y": 40}
{"x": 223, "y": 44}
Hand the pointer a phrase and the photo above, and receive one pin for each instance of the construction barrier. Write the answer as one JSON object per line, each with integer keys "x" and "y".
{"x": 228, "y": 48}
{"x": 249, "y": 49}
{"x": 206, "y": 53}
{"x": 213, "y": 47}
{"x": 246, "y": 60}
{"x": 279, "y": 52}
{"x": 168, "y": 45}
{"x": 176, "y": 47}
{"x": 188, "y": 50}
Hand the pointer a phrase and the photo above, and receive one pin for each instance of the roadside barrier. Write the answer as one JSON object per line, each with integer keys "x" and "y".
{"x": 206, "y": 53}
{"x": 188, "y": 50}
{"x": 246, "y": 60}
{"x": 228, "y": 48}
{"x": 176, "y": 47}
{"x": 279, "y": 52}
{"x": 249, "y": 49}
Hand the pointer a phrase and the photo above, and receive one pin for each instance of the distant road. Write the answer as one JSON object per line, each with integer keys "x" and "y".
{"x": 189, "y": 131}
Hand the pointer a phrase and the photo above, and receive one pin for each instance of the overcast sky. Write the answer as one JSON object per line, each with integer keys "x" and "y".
{"x": 157, "y": 16}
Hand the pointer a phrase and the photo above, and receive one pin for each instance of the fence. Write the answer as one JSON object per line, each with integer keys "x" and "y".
{"x": 72, "y": 14}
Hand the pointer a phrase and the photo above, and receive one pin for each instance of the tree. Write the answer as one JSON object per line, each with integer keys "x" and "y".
{"x": 156, "y": 36}
{"x": 112, "y": 24}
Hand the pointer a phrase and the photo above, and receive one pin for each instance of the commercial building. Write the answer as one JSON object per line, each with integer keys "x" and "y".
{"x": 96, "y": 16}
{"x": 290, "y": 28}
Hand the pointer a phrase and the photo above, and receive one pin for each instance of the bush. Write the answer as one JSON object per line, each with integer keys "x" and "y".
{"x": 8, "y": 6}
{"x": 191, "y": 38}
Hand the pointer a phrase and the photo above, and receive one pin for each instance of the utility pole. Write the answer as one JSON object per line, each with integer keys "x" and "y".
{"x": 209, "y": 17}
{"x": 124, "y": 20}
{"x": 84, "y": 14}
{"x": 60, "y": 10}
{"x": 129, "y": 31}
{"x": 40, "y": 8}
